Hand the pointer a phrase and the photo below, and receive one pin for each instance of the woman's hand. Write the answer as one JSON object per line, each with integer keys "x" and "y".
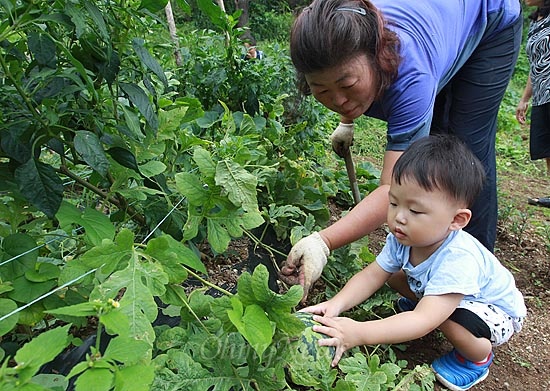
{"x": 305, "y": 262}
{"x": 342, "y": 138}
{"x": 521, "y": 111}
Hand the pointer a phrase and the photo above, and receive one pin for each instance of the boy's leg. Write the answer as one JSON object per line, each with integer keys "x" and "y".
{"x": 472, "y": 329}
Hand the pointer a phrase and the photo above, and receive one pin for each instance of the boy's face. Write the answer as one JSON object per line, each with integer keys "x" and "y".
{"x": 420, "y": 218}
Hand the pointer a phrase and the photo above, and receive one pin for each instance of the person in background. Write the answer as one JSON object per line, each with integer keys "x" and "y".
{"x": 538, "y": 87}
{"x": 447, "y": 278}
{"x": 423, "y": 67}
{"x": 251, "y": 50}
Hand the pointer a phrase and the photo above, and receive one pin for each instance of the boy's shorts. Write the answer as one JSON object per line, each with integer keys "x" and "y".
{"x": 486, "y": 321}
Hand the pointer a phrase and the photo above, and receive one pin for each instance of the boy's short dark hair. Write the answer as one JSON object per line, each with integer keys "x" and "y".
{"x": 442, "y": 162}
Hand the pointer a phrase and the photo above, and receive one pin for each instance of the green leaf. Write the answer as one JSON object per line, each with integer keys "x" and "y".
{"x": 239, "y": 184}
{"x": 25, "y": 291}
{"x": 6, "y": 307}
{"x": 42, "y": 47}
{"x": 191, "y": 187}
{"x": 204, "y": 161}
{"x": 124, "y": 157}
{"x": 253, "y": 324}
{"x": 51, "y": 382}
{"x": 97, "y": 226}
{"x": 366, "y": 373}
{"x": 152, "y": 168}
{"x": 23, "y": 251}
{"x": 40, "y": 185}
{"x": 44, "y": 272}
{"x": 184, "y": 5}
{"x": 81, "y": 309}
{"x": 166, "y": 248}
{"x": 97, "y": 17}
{"x": 78, "y": 18}
{"x": 214, "y": 13}
{"x": 140, "y": 99}
{"x": 40, "y": 350}
{"x": 89, "y": 147}
{"x": 134, "y": 378}
{"x": 254, "y": 289}
{"x": 149, "y": 61}
{"x": 115, "y": 322}
{"x": 153, "y": 6}
{"x": 140, "y": 282}
{"x": 95, "y": 380}
{"x": 130, "y": 351}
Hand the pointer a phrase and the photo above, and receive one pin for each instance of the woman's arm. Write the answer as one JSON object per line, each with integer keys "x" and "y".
{"x": 523, "y": 104}
{"x": 368, "y": 215}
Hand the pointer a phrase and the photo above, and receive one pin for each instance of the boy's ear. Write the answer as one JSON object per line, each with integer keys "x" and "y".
{"x": 461, "y": 219}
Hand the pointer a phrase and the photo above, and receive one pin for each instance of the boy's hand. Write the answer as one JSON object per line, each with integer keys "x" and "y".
{"x": 344, "y": 334}
{"x": 326, "y": 308}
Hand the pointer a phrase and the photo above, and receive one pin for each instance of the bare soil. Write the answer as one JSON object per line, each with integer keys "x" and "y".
{"x": 524, "y": 247}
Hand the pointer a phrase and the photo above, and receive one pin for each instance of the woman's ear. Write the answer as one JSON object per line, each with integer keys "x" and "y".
{"x": 461, "y": 219}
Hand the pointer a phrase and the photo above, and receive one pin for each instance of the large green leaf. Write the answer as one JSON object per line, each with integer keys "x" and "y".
{"x": 140, "y": 282}
{"x": 22, "y": 250}
{"x": 239, "y": 184}
{"x": 97, "y": 225}
{"x": 42, "y": 48}
{"x": 253, "y": 324}
{"x": 140, "y": 99}
{"x": 40, "y": 185}
{"x": 153, "y": 6}
{"x": 191, "y": 187}
{"x": 95, "y": 379}
{"x": 40, "y": 350}
{"x": 25, "y": 291}
{"x": 89, "y": 147}
{"x": 7, "y": 306}
{"x": 134, "y": 378}
{"x": 130, "y": 351}
{"x": 149, "y": 61}
{"x": 166, "y": 249}
{"x": 214, "y": 13}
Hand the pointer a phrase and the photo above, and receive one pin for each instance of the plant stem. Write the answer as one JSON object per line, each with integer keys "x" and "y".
{"x": 207, "y": 283}
{"x": 121, "y": 204}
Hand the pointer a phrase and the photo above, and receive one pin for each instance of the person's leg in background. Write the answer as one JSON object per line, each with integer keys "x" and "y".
{"x": 468, "y": 107}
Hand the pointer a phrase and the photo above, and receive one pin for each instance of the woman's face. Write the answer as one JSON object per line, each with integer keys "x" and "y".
{"x": 348, "y": 89}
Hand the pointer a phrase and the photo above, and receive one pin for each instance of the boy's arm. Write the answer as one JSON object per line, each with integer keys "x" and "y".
{"x": 358, "y": 289}
{"x": 345, "y": 333}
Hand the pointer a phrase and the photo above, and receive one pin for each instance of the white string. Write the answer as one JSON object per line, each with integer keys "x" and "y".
{"x": 31, "y": 250}
{"x": 48, "y": 294}
{"x": 77, "y": 278}
{"x": 162, "y": 221}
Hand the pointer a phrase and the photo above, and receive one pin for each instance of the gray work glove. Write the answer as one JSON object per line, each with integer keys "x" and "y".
{"x": 342, "y": 138}
{"x": 305, "y": 262}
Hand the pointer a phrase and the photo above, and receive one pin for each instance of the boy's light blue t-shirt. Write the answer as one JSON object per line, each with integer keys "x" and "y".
{"x": 437, "y": 37}
{"x": 460, "y": 265}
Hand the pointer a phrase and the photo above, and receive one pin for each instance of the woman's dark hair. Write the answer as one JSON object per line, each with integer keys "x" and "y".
{"x": 442, "y": 162}
{"x": 541, "y": 12}
{"x": 328, "y": 33}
